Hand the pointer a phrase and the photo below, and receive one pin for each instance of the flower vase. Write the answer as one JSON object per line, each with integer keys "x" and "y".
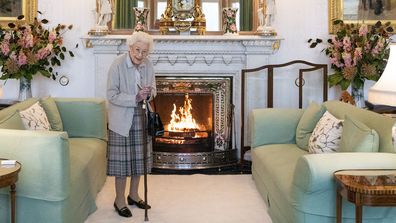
{"x": 229, "y": 21}
{"x": 141, "y": 19}
{"x": 358, "y": 96}
{"x": 25, "y": 90}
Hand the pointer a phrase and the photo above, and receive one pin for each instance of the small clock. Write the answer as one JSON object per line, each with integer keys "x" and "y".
{"x": 64, "y": 80}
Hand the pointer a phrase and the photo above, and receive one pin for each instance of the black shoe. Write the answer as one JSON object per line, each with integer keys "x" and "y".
{"x": 124, "y": 212}
{"x": 141, "y": 204}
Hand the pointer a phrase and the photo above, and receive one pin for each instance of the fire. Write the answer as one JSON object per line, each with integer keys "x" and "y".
{"x": 183, "y": 121}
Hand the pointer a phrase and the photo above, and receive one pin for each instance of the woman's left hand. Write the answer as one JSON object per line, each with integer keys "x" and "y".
{"x": 143, "y": 94}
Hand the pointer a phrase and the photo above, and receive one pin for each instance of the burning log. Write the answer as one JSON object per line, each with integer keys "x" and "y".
{"x": 187, "y": 133}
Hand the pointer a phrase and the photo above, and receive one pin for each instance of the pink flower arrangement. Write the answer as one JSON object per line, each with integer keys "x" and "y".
{"x": 29, "y": 49}
{"x": 357, "y": 52}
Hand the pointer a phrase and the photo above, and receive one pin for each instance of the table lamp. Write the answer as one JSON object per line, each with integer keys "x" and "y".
{"x": 383, "y": 93}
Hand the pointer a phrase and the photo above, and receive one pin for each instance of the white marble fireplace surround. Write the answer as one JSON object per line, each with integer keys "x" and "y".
{"x": 209, "y": 56}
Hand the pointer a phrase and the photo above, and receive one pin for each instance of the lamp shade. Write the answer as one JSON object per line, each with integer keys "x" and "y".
{"x": 384, "y": 91}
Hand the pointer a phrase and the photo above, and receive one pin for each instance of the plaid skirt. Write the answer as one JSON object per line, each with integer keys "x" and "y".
{"x": 125, "y": 154}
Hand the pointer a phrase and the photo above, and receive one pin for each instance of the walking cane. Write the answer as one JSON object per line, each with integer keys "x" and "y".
{"x": 144, "y": 106}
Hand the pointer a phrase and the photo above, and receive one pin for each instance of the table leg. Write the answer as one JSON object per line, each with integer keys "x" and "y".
{"x": 12, "y": 193}
{"x": 338, "y": 206}
{"x": 358, "y": 213}
{"x": 358, "y": 209}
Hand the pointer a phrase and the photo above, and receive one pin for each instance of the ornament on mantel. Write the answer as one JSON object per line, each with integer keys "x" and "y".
{"x": 265, "y": 15}
{"x": 229, "y": 21}
{"x": 103, "y": 16}
{"x": 141, "y": 19}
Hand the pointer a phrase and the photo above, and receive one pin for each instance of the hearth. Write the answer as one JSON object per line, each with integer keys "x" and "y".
{"x": 197, "y": 116}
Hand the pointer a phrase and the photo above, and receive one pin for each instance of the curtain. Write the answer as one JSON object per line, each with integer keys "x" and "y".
{"x": 124, "y": 17}
{"x": 246, "y": 15}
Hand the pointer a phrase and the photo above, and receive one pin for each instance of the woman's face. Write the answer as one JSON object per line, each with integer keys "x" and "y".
{"x": 138, "y": 52}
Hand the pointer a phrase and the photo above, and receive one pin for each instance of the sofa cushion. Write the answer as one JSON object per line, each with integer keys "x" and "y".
{"x": 381, "y": 124}
{"x": 12, "y": 121}
{"x": 52, "y": 113}
{"x": 326, "y": 136}
{"x": 91, "y": 113}
{"x": 17, "y": 107}
{"x": 307, "y": 124}
{"x": 357, "y": 137}
{"x": 274, "y": 126}
{"x": 34, "y": 118}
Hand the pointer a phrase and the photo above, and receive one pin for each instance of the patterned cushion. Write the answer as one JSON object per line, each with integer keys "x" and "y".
{"x": 34, "y": 118}
{"x": 326, "y": 136}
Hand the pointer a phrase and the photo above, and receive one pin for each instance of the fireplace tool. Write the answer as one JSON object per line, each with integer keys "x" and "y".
{"x": 144, "y": 106}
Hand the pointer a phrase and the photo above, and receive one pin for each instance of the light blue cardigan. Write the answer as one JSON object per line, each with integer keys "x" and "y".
{"x": 122, "y": 90}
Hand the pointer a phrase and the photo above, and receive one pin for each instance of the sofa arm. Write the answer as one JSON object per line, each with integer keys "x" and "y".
{"x": 274, "y": 126}
{"x": 314, "y": 172}
{"x": 83, "y": 117}
{"x": 44, "y": 155}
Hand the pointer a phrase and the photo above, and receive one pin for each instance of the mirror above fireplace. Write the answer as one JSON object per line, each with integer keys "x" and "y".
{"x": 123, "y": 17}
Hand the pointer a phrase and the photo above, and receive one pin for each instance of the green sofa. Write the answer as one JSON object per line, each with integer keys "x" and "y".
{"x": 299, "y": 187}
{"x": 62, "y": 171}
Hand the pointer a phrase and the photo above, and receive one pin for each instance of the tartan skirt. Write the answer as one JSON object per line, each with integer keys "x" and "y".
{"x": 125, "y": 154}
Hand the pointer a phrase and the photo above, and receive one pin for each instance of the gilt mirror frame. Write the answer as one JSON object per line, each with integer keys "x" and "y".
{"x": 337, "y": 11}
{"x": 28, "y": 9}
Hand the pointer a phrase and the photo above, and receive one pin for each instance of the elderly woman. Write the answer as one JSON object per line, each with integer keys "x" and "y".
{"x": 130, "y": 81}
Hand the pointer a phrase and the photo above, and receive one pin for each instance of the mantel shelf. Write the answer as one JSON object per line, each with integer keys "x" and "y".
{"x": 190, "y": 37}
{"x": 270, "y": 43}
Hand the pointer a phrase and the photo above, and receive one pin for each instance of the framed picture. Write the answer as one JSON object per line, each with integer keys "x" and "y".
{"x": 11, "y": 9}
{"x": 359, "y": 11}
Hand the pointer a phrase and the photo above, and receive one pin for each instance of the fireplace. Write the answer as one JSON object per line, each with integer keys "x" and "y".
{"x": 208, "y": 56}
{"x": 197, "y": 114}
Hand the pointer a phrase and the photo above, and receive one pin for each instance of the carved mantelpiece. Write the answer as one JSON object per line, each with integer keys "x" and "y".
{"x": 190, "y": 56}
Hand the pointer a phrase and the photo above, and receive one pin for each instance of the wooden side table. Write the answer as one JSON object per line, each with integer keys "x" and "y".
{"x": 365, "y": 187}
{"x": 8, "y": 177}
